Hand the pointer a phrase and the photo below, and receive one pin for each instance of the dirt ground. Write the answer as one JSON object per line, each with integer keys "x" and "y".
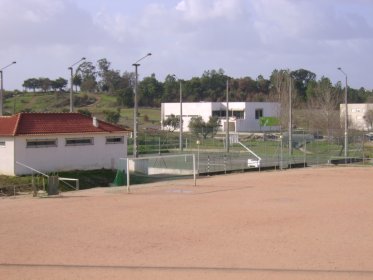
{"x": 314, "y": 223}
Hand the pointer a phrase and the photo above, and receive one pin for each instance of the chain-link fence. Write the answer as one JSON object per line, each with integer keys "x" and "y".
{"x": 255, "y": 151}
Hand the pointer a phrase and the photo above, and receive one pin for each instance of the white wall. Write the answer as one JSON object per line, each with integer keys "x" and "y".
{"x": 356, "y": 114}
{"x": 270, "y": 109}
{"x": 204, "y": 109}
{"x": 190, "y": 109}
{"x": 63, "y": 158}
{"x": 7, "y": 156}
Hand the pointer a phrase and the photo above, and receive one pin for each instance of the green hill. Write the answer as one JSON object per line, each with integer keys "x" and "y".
{"x": 98, "y": 104}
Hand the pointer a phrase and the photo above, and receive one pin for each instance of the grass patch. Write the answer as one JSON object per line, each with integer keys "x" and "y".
{"x": 87, "y": 179}
{"x": 91, "y": 178}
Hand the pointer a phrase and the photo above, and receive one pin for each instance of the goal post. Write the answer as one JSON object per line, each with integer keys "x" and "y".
{"x": 158, "y": 168}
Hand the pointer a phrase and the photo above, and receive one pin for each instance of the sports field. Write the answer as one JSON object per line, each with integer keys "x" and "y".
{"x": 314, "y": 223}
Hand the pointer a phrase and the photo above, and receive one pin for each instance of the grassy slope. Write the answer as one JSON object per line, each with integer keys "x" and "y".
{"x": 58, "y": 102}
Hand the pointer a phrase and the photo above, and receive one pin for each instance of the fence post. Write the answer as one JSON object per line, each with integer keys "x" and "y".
{"x": 208, "y": 164}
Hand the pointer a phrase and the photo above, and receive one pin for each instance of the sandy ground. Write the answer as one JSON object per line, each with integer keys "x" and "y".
{"x": 294, "y": 224}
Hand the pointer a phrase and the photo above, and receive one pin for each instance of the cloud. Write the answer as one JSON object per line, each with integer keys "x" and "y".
{"x": 186, "y": 37}
{"x": 39, "y": 22}
{"x": 195, "y": 10}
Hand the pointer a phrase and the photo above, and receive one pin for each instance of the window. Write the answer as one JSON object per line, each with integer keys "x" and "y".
{"x": 238, "y": 114}
{"x": 258, "y": 113}
{"x": 2, "y": 143}
{"x": 79, "y": 141}
{"x": 114, "y": 140}
{"x": 41, "y": 143}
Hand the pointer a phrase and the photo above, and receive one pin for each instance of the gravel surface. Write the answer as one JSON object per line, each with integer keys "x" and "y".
{"x": 314, "y": 223}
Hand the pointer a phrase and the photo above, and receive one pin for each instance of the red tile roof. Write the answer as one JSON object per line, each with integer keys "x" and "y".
{"x": 53, "y": 123}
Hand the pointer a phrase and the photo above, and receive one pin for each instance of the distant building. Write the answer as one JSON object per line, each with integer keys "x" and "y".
{"x": 243, "y": 116}
{"x": 356, "y": 115}
{"x": 51, "y": 142}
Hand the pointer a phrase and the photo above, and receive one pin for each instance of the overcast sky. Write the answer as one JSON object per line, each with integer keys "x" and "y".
{"x": 187, "y": 37}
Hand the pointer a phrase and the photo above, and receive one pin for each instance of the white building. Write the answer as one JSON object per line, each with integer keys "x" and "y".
{"x": 356, "y": 113}
{"x": 51, "y": 142}
{"x": 243, "y": 116}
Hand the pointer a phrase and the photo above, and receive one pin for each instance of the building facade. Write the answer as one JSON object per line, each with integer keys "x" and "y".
{"x": 52, "y": 142}
{"x": 243, "y": 116}
{"x": 356, "y": 115}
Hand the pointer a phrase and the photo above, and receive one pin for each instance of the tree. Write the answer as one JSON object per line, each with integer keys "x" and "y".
{"x": 45, "y": 84}
{"x": 212, "y": 125}
{"x": 301, "y": 79}
{"x": 172, "y": 122}
{"x": 87, "y": 72}
{"x": 262, "y": 84}
{"x": 125, "y": 97}
{"x": 77, "y": 81}
{"x": 59, "y": 84}
{"x": 112, "y": 116}
{"x": 150, "y": 92}
{"x": 198, "y": 126}
{"x": 170, "y": 89}
{"x": 280, "y": 80}
{"x": 323, "y": 106}
{"x": 31, "y": 83}
{"x": 214, "y": 85}
{"x": 85, "y": 112}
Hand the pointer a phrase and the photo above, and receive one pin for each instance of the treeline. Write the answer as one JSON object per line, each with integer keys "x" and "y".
{"x": 45, "y": 84}
{"x": 210, "y": 86}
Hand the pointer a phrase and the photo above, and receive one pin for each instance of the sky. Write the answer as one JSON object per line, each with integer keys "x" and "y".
{"x": 188, "y": 37}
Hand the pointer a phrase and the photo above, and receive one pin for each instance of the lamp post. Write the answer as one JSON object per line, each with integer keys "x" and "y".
{"x": 2, "y": 87}
{"x": 346, "y": 115}
{"x": 71, "y": 83}
{"x": 181, "y": 115}
{"x": 135, "y": 111}
{"x": 227, "y": 118}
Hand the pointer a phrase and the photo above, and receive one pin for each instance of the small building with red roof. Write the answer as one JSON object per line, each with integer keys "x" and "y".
{"x": 52, "y": 142}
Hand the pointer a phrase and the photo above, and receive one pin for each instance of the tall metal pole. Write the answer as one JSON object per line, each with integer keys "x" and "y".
{"x": 290, "y": 119}
{"x": 346, "y": 122}
{"x": 346, "y": 117}
{"x": 181, "y": 118}
{"x": 2, "y": 87}
{"x": 71, "y": 88}
{"x": 227, "y": 119}
{"x": 135, "y": 111}
{"x": 72, "y": 84}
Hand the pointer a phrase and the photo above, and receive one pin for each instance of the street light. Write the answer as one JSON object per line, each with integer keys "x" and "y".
{"x": 71, "y": 83}
{"x": 181, "y": 115}
{"x": 346, "y": 115}
{"x": 2, "y": 87}
{"x": 135, "y": 111}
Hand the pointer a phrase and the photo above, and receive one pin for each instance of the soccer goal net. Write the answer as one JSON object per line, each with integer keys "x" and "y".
{"x": 157, "y": 168}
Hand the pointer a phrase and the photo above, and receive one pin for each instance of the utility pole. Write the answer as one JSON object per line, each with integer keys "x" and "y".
{"x": 135, "y": 109}
{"x": 227, "y": 119}
{"x": 2, "y": 87}
{"x": 290, "y": 119}
{"x": 181, "y": 118}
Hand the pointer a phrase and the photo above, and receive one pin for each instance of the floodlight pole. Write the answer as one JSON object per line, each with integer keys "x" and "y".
{"x": 346, "y": 116}
{"x": 290, "y": 120}
{"x": 72, "y": 83}
{"x": 135, "y": 111}
{"x": 227, "y": 118}
{"x": 181, "y": 117}
{"x": 2, "y": 87}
